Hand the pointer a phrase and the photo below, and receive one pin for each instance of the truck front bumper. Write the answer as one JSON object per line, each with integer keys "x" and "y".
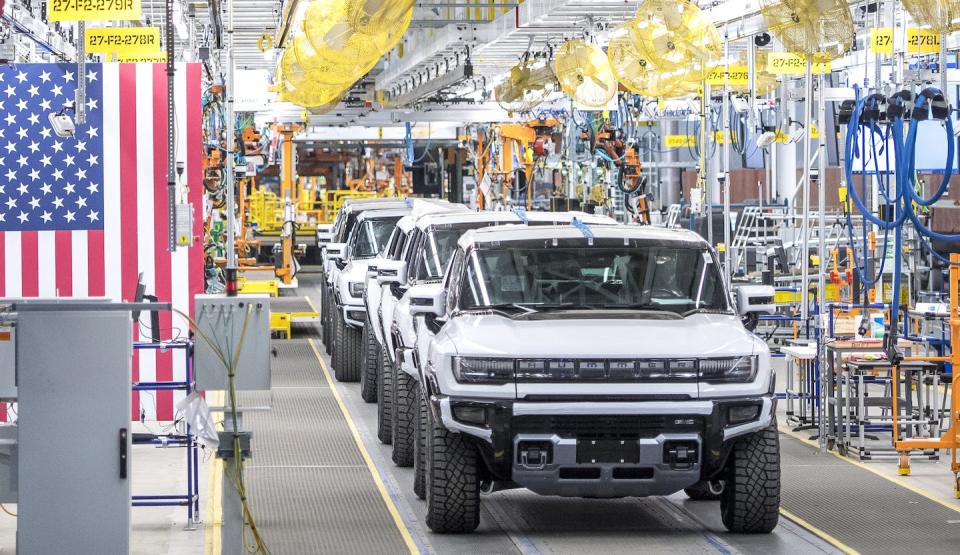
{"x": 604, "y": 449}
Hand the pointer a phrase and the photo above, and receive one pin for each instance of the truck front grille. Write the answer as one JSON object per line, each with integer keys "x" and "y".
{"x": 603, "y": 426}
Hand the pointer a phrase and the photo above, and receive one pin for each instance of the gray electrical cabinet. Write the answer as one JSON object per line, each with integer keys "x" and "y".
{"x": 220, "y": 320}
{"x": 73, "y": 386}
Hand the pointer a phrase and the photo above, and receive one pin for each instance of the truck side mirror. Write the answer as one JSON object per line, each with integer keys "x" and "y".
{"x": 427, "y": 299}
{"x": 391, "y": 271}
{"x": 755, "y": 299}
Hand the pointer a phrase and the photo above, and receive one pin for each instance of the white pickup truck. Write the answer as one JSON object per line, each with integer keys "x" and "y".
{"x": 594, "y": 361}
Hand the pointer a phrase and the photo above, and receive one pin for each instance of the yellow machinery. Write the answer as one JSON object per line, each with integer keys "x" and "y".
{"x": 950, "y": 439}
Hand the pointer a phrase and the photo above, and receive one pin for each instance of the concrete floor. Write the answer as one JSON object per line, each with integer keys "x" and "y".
{"x": 512, "y": 521}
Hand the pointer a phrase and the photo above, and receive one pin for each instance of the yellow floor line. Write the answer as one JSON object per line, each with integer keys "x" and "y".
{"x": 819, "y": 533}
{"x": 391, "y": 507}
{"x": 868, "y": 468}
{"x": 214, "y": 519}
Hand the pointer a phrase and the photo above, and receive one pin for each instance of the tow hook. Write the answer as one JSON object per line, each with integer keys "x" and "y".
{"x": 534, "y": 456}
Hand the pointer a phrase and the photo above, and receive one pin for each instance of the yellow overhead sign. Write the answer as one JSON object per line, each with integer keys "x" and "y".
{"x": 738, "y": 75}
{"x": 881, "y": 40}
{"x": 93, "y": 10}
{"x": 123, "y": 41}
{"x": 679, "y": 141}
{"x": 922, "y": 41}
{"x": 789, "y": 63}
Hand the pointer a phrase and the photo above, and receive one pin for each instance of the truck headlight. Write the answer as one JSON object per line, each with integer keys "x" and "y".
{"x": 483, "y": 370}
{"x": 357, "y": 288}
{"x": 728, "y": 370}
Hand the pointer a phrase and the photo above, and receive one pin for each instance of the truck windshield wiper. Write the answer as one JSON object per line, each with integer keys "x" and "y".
{"x": 503, "y": 307}
{"x": 640, "y": 306}
{"x": 705, "y": 311}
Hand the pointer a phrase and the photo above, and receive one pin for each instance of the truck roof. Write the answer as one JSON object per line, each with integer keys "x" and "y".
{"x": 505, "y": 234}
{"x": 452, "y": 218}
{"x": 378, "y": 213}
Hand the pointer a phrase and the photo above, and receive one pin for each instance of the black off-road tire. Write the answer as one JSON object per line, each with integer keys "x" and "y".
{"x": 404, "y": 427}
{"x": 368, "y": 364}
{"x": 706, "y": 490}
{"x": 750, "y": 502}
{"x": 350, "y": 348}
{"x": 336, "y": 339}
{"x": 326, "y": 318}
{"x": 420, "y": 447}
{"x": 384, "y": 399}
{"x": 453, "y": 484}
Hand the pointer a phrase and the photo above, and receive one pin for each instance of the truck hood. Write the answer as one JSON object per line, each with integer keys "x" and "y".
{"x": 619, "y": 335}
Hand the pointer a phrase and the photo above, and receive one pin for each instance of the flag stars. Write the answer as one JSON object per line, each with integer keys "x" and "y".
{"x": 81, "y": 202}
{"x": 21, "y": 76}
{"x": 34, "y": 119}
{"x": 68, "y": 160}
{"x": 22, "y": 160}
{"x": 10, "y": 118}
{"x": 91, "y": 76}
{"x": 92, "y": 160}
{"x": 33, "y": 90}
{"x": 46, "y": 217}
{"x": 11, "y": 203}
{"x": 93, "y": 215}
{"x": 70, "y": 188}
{"x": 92, "y": 188}
{"x": 22, "y": 104}
{"x": 70, "y": 216}
{"x": 34, "y": 174}
{"x": 58, "y": 202}
{"x": 10, "y": 91}
{"x": 58, "y": 174}
{"x": 22, "y": 189}
{"x": 46, "y": 189}
{"x": 22, "y": 133}
{"x": 45, "y": 104}
{"x": 11, "y": 146}
{"x": 23, "y": 217}
{"x": 80, "y": 146}
{"x": 3, "y": 217}
{"x": 57, "y": 90}
{"x": 11, "y": 175}
{"x": 81, "y": 173}
{"x": 34, "y": 147}
{"x": 91, "y": 132}
{"x": 45, "y": 132}
{"x": 57, "y": 146}
{"x": 68, "y": 76}
{"x": 45, "y": 76}
{"x": 45, "y": 160}
{"x": 92, "y": 104}
{"x": 34, "y": 203}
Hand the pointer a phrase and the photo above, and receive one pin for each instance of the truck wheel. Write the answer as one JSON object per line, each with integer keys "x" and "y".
{"x": 336, "y": 340}
{"x": 325, "y": 323}
{"x": 404, "y": 417}
{"x": 705, "y": 490}
{"x": 420, "y": 447}
{"x": 368, "y": 365}
{"x": 453, "y": 488}
{"x": 750, "y": 502}
{"x": 349, "y": 347}
{"x": 384, "y": 399}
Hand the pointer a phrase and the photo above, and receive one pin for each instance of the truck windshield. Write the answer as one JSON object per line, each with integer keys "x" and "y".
{"x": 369, "y": 238}
{"x": 677, "y": 279}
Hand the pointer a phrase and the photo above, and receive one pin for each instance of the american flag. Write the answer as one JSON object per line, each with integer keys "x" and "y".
{"x": 83, "y": 216}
